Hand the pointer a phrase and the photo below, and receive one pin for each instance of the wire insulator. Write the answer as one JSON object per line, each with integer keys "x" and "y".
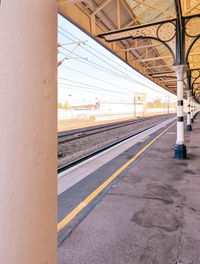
{"x": 59, "y": 63}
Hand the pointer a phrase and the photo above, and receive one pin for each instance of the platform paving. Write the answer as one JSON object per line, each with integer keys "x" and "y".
{"x": 150, "y": 216}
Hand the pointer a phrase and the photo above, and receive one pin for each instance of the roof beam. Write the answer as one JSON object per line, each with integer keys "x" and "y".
{"x": 164, "y": 76}
{"x": 191, "y": 9}
{"x": 160, "y": 58}
{"x": 129, "y": 24}
{"x": 140, "y": 47}
{"x": 63, "y": 3}
{"x": 130, "y": 12}
{"x": 194, "y": 54}
{"x": 93, "y": 19}
{"x": 100, "y": 7}
{"x": 160, "y": 73}
{"x": 149, "y": 9}
{"x": 154, "y": 7}
{"x": 118, "y": 15}
{"x": 158, "y": 66}
{"x": 154, "y": 58}
{"x": 167, "y": 81}
{"x": 135, "y": 19}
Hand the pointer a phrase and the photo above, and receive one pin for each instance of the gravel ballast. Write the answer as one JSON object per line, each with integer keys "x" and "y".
{"x": 70, "y": 151}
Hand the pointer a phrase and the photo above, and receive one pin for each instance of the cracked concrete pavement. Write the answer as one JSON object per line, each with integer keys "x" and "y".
{"x": 151, "y": 216}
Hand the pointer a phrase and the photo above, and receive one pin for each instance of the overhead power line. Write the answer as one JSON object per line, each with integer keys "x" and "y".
{"x": 81, "y": 89}
{"x": 97, "y": 88}
{"x": 100, "y": 67}
{"x": 108, "y": 58}
{"x": 88, "y": 62}
{"x": 70, "y": 51}
{"x": 85, "y": 86}
{"x": 100, "y": 58}
{"x": 97, "y": 79}
{"x": 92, "y": 48}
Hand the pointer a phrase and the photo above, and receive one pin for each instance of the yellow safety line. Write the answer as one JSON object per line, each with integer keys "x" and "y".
{"x": 85, "y": 202}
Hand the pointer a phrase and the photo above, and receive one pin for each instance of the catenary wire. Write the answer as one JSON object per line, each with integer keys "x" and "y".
{"x": 123, "y": 76}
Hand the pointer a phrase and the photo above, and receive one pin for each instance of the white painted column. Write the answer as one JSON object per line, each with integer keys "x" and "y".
{"x": 196, "y": 107}
{"x": 28, "y": 114}
{"x": 188, "y": 127}
{"x": 180, "y": 149}
{"x": 192, "y": 109}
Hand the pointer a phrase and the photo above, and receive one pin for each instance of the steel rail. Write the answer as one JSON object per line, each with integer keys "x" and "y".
{"x": 90, "y": 155}
{"x": 101, "y": 128}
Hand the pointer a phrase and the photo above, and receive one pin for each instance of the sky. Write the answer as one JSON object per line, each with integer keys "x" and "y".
{"x": 90, "y": 73}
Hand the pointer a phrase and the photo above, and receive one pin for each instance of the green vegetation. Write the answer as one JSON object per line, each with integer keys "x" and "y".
{"x": 65, "y": 106}
{"x": 158, "y": 104}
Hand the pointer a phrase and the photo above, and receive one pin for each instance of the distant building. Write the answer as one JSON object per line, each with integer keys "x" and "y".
{"x": 85, "y": 107}
{"x": 140, "y": 99}
{"x": 116, "y": 107}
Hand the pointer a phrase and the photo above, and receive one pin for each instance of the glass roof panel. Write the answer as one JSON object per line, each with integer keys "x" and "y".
{"x": 150, "y": 11}
{"x": 190, "y": 7}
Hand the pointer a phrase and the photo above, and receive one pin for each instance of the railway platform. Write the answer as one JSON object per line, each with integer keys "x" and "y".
{"x": 148, "y": 212}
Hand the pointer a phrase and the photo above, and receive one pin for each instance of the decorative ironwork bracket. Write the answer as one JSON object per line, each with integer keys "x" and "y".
{"x": 192, "y": 33}
{"x": 193, "y": 81}
{"x": 164, "y": 32}
{"x": 178, "y": 35}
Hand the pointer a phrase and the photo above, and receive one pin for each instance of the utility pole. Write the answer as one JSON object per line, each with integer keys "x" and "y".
{"x": 67, "y": 56}
{"x": 134, "y": 106}
{"x": 168, "y": 105}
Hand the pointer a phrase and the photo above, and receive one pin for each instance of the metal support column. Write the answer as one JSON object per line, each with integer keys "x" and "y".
{"x": 180, "y": 148}
{"x": 189, "y": 93}
{"x": 179, "y": 44}
{"x": 188, "y": 127}
{"x": 192, "y": 109}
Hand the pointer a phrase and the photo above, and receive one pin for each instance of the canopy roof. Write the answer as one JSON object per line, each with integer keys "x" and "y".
{"x": 149, "y": 56}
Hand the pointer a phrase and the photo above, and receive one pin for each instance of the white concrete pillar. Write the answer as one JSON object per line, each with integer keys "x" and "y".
{"x": 188, "y": 127}
{"x": 180, "y": 149}
{"x": 28, "y": 114}
{"x": 192, "y": 109}
{"x": 196, "y": 108}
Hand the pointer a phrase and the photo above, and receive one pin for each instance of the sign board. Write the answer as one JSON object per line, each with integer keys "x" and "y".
{"x": 140, "y": 98}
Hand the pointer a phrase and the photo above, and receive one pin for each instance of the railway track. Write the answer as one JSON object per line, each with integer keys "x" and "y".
{"x": 84, "y": 137}
{"x": 69, "y": 136}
